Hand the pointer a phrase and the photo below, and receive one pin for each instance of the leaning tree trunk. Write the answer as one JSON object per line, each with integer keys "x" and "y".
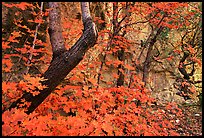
{"x": 63, "y": 61}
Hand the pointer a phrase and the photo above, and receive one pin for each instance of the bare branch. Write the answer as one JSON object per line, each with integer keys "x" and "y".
{"x": 138, "y": 22}
{"x": 33, "y": 46}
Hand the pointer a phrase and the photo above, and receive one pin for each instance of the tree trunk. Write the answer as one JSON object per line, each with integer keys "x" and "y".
{"x": 63, "y": 60}
{"x": 121, "y": 57}
{"x": 151, "y": 41}
{"x": 149, "y": 56}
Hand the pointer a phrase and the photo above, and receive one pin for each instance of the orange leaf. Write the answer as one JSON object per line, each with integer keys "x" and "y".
{"x": 5, "y": 86}
{"x": 129, "y": 67}
{"x": 34, "y": 93}
{"x": 193, "y": 89}
{"x": 92, "y": 81}
{"x": 191, "y": 50}
{"x": 5, "y": 45}
{"x": 108, "y": 128}
{"x": 38, "y": 21}
{"x": 115, "y": 75}
{"x": 8, "y": 65}
{"x": 169, "y": 58}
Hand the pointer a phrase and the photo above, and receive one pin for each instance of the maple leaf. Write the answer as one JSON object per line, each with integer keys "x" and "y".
{"x": 115, "y": 75}
{"x": 12, "y": 39}
{"x": 91, "y": 65}
{"x": 23, "y": 5}
{"x": 8, "y": 5}
{"x": 41, "y": 87}
{"x": 46, "y": 13}
{"x": 87, "y": 105}
{"x": 85, "y": 87}
{"x": 108, "y": 128}
{"x": 196, "y": 60}
{"x": 8, "y": 64}
{"x": 5, "y": 45}
{"x": 5, "y": 87}
{"x": 19, "y": 116}
{"x": 92, "y": 81}
{"x": 34, "y": 93}
{"x": 38, "y": 20}
{"x": 129, "y": 67}
{"x": 191, "y": 50}
{"x": 66, "y": 109}
{"x": 6, "y": 130}
{"x": 177, "y": 51}
{"x": 169, "y": 58}
{"x": 193, "y": 89}
{"x": 16, "y": 34}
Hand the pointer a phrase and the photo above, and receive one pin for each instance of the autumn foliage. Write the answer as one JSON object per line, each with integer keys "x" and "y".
{"x": 85, "y": 103}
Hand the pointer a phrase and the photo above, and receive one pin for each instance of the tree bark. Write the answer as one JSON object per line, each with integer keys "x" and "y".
{"x": 149, "y": 56}
{"x": 121, "y": 57}
{"x": 55, "y": 30}
{"x": 63, "y": 61}
{"x": 121, "y": 52}
{"x": 151, "y": 41}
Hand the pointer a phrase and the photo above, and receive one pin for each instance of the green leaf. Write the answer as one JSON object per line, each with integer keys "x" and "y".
{"x": 170, "y": 22}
